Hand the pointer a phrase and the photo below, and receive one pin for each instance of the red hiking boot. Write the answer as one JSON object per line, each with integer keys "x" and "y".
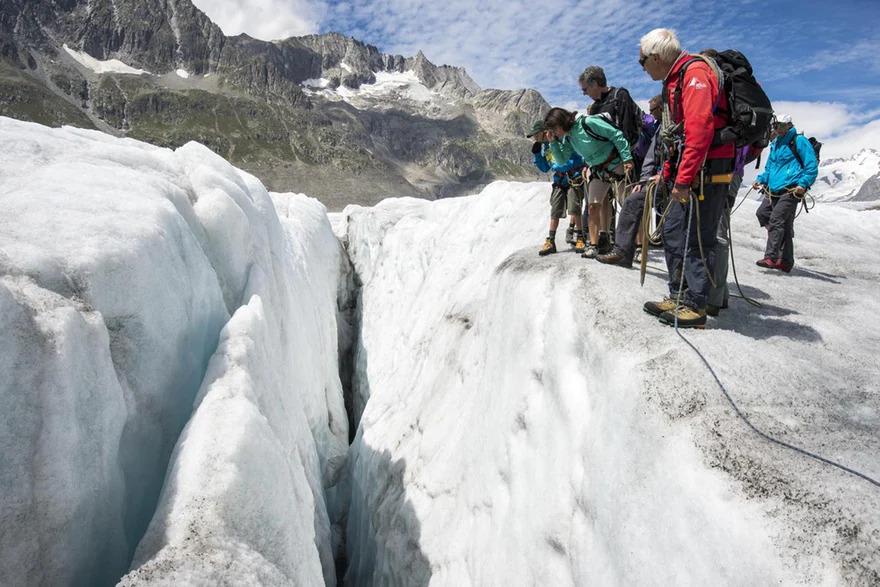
{"x": 766, "y": 263}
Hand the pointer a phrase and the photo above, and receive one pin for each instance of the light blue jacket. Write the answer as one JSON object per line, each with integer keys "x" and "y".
{"x": 545, "y": 161}
{"x": 783, "y": 169}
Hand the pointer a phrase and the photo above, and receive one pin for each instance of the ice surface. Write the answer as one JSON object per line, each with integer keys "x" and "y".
{"x": 121, "y": 264}
{"x": 527, "y": 423}
{"x": 99, "y": 66}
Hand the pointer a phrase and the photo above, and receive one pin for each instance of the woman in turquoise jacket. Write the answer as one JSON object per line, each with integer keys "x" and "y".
{"x": 603, "y": 148}
{"x": 790, "y": 171}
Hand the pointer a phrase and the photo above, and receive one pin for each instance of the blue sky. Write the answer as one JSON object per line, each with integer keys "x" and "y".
{"x": 810, "y": 52}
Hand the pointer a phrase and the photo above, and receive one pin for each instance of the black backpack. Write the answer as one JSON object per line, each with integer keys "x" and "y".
{"x": 817, "y": 148}
{"x": 631, "y": 127}
{"x": 749, "y": 113}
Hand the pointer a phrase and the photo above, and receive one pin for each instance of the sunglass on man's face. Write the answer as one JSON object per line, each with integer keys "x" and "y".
{"x": 643, "y": 59}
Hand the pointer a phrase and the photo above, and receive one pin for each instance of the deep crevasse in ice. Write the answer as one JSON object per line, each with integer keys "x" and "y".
{"x": 525, "y": 423}
{"x": 121, "y": 264}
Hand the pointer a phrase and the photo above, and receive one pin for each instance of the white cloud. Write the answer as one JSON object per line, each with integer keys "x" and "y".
{"x": 843, "y": 130}
{"x": 853, "y": 141}
{"x": 820, "y": 119}
{"x": 264, "y": 19}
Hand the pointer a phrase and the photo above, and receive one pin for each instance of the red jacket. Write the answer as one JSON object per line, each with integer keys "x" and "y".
{"x": 704, "y": 109}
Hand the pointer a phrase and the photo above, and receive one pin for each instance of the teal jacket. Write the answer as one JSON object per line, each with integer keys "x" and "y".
{"x": 594, "y": 151}
{"x": 783, "y": 170}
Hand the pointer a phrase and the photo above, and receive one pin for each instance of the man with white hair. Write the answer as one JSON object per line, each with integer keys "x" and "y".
{"x": 790, "y": 171}
{"x": 695, "y": 106}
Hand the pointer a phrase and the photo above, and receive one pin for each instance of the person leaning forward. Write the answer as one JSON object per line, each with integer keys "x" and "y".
{"x": 567, "y": 194}
{"x": 699, "y": 172}
{"x": 604, "y": 149}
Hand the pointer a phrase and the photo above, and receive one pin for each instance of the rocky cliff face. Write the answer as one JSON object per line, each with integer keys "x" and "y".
{"x": 376, "y": 125}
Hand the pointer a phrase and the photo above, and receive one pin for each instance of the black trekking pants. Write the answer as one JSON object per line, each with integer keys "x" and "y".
{"x": 777, "y": 213}
{"x": 690, "y": 261}
{"x": 628, "y": 223}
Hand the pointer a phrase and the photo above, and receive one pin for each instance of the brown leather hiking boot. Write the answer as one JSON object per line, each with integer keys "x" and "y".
{"x": 580, "y": 245}
{"x": 615, "y": 257}
{"x": 657, "y": 308}
{"x": 549, "y": 247}
{"x": 687, "y": 317}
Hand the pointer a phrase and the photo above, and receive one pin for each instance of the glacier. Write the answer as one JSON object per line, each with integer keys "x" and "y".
{"x": 188, "y": 357}
{"x": 524, "y": 422}
{"x": 137, "y": 282}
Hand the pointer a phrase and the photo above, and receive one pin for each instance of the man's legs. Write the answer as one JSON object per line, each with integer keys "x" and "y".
{"x": 764, "y": 210}
{"x": 718, "y": 294}
{"x": 780, "y": 226}
{"x": 557, "y": 211}
{"x": 628, "y": 223}
{"x": 704, "y": 229}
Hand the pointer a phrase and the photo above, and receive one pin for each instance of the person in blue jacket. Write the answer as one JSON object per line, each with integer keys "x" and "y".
{"x": 790, "y": 171}
{"x": 567, "y": 194}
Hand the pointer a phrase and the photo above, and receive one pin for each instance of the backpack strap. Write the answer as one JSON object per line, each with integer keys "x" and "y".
{"x": 590, "y": 132}
{"x": 792, "y": 145}
{"x": 679, "y": 107}
{"x": 614, "y": 154}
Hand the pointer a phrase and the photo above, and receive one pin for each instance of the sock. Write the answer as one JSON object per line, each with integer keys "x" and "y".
{"x": 552, "y": 235}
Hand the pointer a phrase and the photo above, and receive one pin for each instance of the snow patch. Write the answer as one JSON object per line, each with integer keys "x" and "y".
{"x": 101, "y": 67}
{"x": 840, "y": 180}
{"x": 182, "y": 73}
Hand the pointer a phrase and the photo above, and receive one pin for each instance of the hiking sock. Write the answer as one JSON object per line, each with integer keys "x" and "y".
{"x": 552, "y": 235}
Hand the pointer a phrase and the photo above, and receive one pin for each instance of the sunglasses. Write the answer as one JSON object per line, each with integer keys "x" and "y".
{"x": 643, "y": 59}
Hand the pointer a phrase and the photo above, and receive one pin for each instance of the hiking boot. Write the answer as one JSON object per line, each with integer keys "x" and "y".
{"x": 784, "y": 267}
{"x": 687, "y": 317}
{"x": 712, "y": 310}
{"x": 590, "y": 252}
{"x": 615, "y": 257}
{"x": 766, "y": 263}
{"x": 569, "y": 235}
{"x": 549, "y": 247}
{"x": 657, "y": 308}
{"x": 580, "y": 245}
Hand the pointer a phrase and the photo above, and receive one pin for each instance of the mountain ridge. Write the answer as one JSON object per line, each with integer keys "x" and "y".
{"x": 244, "y": 98}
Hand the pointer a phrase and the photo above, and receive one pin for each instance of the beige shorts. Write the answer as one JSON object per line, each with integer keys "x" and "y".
{"x": 598, "y": 189}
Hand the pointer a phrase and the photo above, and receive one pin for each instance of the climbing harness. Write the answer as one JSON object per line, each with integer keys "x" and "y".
{"x": 733, "y": 404}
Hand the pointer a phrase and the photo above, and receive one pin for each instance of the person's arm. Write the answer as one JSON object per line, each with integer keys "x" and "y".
{"x": 626, "y": 105}
{"x": 561, "y": 151}
{"x": 698, "y": 96}
{"x": 764, "y": 177}
{"x": 605, "y": 129}
{"x": 651, "y": 163}
{"x": 811, "y": 164}
{"x": 540, "y": 160}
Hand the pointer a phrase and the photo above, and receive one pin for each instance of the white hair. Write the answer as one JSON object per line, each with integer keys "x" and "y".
{"x": 661, "y": 42}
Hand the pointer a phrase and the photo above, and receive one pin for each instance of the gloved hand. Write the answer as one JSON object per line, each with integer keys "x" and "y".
{"x": 536, "y": 147}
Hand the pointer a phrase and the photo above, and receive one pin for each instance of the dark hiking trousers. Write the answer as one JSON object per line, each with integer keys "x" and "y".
{"x": 629, "y": 220}
{"x": 777, "y": 213}
{"x": 718, "y": 295}
{"x": 690, "y": 261}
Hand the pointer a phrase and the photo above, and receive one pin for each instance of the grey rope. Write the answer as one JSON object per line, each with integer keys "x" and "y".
{"x": 736, "y": 409}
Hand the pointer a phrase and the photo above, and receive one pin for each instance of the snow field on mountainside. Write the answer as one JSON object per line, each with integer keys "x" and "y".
{"x": 523, "y": 421}
{"x": 122, "y": 264}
